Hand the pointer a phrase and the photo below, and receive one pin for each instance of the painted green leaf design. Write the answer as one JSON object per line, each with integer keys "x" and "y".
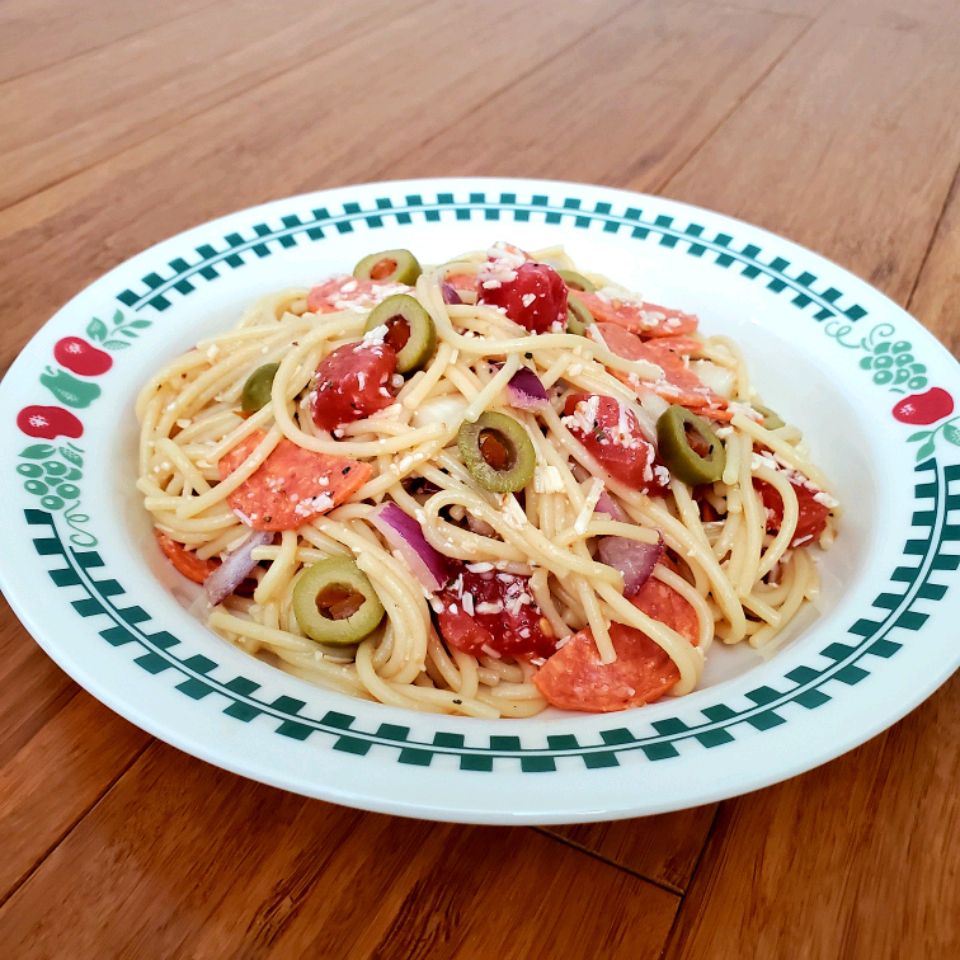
{"x": 37, "y": 451}
{"x": 116, "y": 344}
{"x": 72, "y": 456}
{"x": 97, "y": 330}
{"x": 139, "y": 324}
{"x": 118, "y": 318}
{"x": 952, "y": 434}
{"x": 919, "y": 435}
{"x": 925, "y": 451}
{"x": 127, "y": 332}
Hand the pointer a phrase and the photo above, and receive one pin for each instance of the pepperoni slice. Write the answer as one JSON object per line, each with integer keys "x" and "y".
{"x": 812, "y": 517}
{"x": 349, "y": 293}
{"x": 647, "y": 319}
{"x": 575, "y": 679}
{"x": 292, "y": 486}
{"x": 679, "y": 384}
{"x": 185, "y": 561}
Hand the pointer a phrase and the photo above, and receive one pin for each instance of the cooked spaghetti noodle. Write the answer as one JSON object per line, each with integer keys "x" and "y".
{"x": 733, "y": 557}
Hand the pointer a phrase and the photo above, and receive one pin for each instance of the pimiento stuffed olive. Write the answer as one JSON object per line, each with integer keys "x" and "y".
{"x": 578, "y": 316}
{"x": 688, "y": 447}
{"x": 410, "y": 331}
{"x": 389, "y": 266}
{"x": 256, "y": 391}
{"x": 335, "y": 603}
{"x": 497, "y": 452}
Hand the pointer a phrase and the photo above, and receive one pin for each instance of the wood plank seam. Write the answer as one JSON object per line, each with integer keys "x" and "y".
{"x": 741, "y": 100}
{"x": 194, "y": 9}
{"x": 666, "y": 887}
{"x": 71, "y": 826}
{"x": 931, "y": 243}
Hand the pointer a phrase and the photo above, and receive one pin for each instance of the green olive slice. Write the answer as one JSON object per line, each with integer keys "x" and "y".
{"x": 577, "y": 281}
{"x": 579, "y": 316}
{"x": 335, "y": 603}
{"x": 689, "y": 448}
{"x": 410, "y": 331}
{"x": 389, "y": 266}
{"x": 771, "y": 419}
{"x": 497, "y": 452}
{"x": 256, "y": 391}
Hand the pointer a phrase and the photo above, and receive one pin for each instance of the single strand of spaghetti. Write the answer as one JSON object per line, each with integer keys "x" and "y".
{"x": 695, "y": 598}
{"x": 724, "y": 542}
{"x": 323, "y": 542}
{"x": 556, "y": 370}
{"x": 445, "y": 667}
{"x": 516, "y": 709}
{"x": 507, "y": 671}
{"x": 754, "y": 520}
{"x": 207, "y": 524}
{"x": 487, "y": 395}
{"x": 209, "y": 424}
{"x": 448, "y": 701}
{"x": 731, "y": 467}
{"x": 422, "y": 384}
{"x": 785, "y": 451}
{"x": 788, "y": 525}
{"x": 235, "y": 479}
{"x": 517, "y": 692}
{"x": 221, "y": 543}
{"x": 596, "y": 620}
{"x": 688, "y": 659}
{"x": 791, "y": 604}
{"x": 540, "y": 588}
{"x": 281, "y": 570}
{"x": 763, "y": 610}
{"x": 149, "y": 418}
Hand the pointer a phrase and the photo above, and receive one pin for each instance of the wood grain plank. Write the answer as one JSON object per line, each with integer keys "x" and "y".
{"x": 855, "y": 859}
{"x": 37, "y": 33}
{"x": 936, "y": 299}
{"x": 56, "y": 777}
{"x": 849, "y": 156}
{"x": 663, "y": 848}
{"x": 322, "y": 122}
{"x": 116, "y": 95}
{"x": 625, "y": 105}
{"x": 34, "y": 689}
{"x": 192, "y": 861}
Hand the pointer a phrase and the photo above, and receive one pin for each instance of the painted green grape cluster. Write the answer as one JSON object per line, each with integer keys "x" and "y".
{"x": 892, "y": 363}
{"x": 53, "y": 481}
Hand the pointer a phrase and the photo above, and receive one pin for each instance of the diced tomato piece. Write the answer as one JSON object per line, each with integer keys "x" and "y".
{"x": 493, "y": 610}
{"x": 679, "y": 384}
{"x": 647, "y": 319}
{"x": 353, "y": 382}
{"x": 349, "y": 293}
{"x": 612, "y": 434}
{"x": 532, "y": 294}
{"x": 292, "y": 486}
{"x": 185, "y": 561}
{"x": 575, "y": 679}
{"x": 812, "y": 516}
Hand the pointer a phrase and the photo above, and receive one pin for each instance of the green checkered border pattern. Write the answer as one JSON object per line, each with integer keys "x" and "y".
{"x": 160, "y": 288}
{"x": 896, "y": 613}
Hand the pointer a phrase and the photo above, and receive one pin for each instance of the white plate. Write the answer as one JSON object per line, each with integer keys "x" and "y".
{"x": 78, "y": 563}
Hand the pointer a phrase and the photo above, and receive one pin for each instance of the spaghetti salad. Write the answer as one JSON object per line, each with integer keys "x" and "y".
{"x": 480, "y": 488}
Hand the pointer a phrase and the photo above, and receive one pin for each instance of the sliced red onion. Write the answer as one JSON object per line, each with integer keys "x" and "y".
{"x": 525, "y": 390}
{"x": 450, "y": 295}
{"x": 606, "y": 504}
{"x": 633, "y": 559}
{"x": 404, "y": 534}
{"x": 235, "y": 568}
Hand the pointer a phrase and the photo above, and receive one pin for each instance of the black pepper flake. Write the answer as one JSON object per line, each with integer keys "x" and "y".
{"x": 267, "y": 519}
{"x": 345, "y": 470}
{"x": 458, "y": 702}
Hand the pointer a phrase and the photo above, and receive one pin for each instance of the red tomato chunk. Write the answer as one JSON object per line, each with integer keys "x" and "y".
{"x": 532, "y": 294}
{"x": 612, "y": 435}
{"x": 812, "y": 517}
{"x": 353, "y": 382}
{"x": 485, "y": 610}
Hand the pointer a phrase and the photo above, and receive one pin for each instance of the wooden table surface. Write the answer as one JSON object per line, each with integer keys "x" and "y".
{"x": 836, "y": 124}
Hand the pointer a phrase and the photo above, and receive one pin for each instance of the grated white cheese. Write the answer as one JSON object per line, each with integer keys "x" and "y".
{"x": 586, "y": 511}
{"x": 547, "y": 480}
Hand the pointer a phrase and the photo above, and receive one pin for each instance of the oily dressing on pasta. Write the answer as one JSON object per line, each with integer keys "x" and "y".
{"x": 732, "y": 555}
